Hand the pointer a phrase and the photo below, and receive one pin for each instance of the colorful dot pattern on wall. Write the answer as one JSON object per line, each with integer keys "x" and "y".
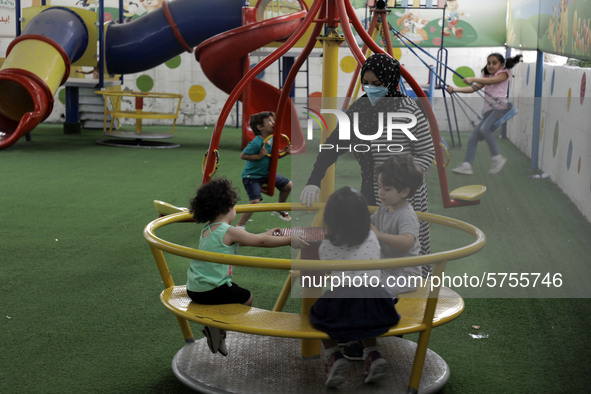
{"x": 260, "y": 75}
{"x": 173, "y": 63}
{"x": 144, "y": 83}
{"x": 348, "y": 64}
{"x": 197, "y": 93}
{"x": 555, "y": 143}
{"x": 569, "y": 154}
{"x": 62, "y": 96}
{"x": 583, "y": 87}
{"x": 316, "y": 101}
{"x": 571, "y": 147}
{"x": 466, "y": 72}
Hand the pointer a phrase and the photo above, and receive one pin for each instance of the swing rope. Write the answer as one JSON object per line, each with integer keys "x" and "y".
{"x": 402, "y": 38}
{"x": 510, "y": 111}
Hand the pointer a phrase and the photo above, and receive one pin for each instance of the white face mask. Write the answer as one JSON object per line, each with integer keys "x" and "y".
{"x": 375, "y": 93}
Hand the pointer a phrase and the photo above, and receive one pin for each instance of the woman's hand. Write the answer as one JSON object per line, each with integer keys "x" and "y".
{"x": 310, "y": 195}
{"x": 469, "y": 80}
{"x": 450, "y": 89}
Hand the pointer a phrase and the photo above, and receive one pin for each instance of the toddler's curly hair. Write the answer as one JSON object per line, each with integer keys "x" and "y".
{"x": 213, "y": 199}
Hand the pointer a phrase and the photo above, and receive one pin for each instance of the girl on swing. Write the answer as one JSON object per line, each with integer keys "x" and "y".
{"x": 495, "y": 80}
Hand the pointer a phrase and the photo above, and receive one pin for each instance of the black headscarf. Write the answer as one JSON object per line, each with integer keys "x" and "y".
{"x": 387, "y": 69}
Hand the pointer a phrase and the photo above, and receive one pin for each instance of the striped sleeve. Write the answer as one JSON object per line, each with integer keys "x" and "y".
{"x": 422, "y": 149}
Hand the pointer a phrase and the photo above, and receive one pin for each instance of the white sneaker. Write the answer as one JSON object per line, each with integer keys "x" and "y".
{"x": 241, "y": 227}
{"x": 496, "y": 164}
{"x": 465, "y": 168}
{"x": 222, "y": 349}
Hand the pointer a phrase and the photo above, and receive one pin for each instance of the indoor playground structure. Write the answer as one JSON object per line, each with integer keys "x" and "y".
{"x": 54, "y": 39}
{"x": 192, "y": 364}
{"x": 271, "y": 350}
{"x": 331, "y": 39}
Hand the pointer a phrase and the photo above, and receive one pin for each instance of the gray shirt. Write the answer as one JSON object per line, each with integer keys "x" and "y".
{"x": 400, "y": 221}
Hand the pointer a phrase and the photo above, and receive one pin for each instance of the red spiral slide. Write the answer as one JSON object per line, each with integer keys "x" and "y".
{"x": 224, "y": 59}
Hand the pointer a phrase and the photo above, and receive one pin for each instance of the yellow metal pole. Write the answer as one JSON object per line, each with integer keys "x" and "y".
{"x": 168, "y": 282}
{"x": 424, "y": 336}
{"x": 282, "y": 299}
{"x": 330, "y": 67}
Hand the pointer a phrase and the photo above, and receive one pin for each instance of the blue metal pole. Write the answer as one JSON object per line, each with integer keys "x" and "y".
{"x": 18, "y": 17}
{"x": 101, "y": 40}
{"x": 535, "y": 143}
{"x": 288, "y": 62}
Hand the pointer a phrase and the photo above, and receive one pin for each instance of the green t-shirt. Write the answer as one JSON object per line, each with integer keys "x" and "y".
{"x": 257, "y": 168}
{"x": 203, "y": 275}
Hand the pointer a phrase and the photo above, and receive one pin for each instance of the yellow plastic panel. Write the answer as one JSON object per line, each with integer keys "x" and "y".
{"x": 40, "y": 58}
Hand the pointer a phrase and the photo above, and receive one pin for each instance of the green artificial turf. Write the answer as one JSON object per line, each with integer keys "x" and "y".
{"x": 79, "y": 294}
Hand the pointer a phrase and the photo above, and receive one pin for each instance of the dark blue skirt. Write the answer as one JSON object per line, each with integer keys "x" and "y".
{"x": 352, "y": 319}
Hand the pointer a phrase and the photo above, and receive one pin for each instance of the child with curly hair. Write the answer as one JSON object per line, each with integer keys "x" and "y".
{"x": 211, "y": 283}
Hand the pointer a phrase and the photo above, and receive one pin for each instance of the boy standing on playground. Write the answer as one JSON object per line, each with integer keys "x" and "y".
{"x": 255, "y": 174}
{"x": 395, "y": 222}
{"x": 397, "y": 228}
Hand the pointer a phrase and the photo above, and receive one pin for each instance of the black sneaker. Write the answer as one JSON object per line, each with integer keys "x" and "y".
{"x": 353, "y": 350}
{"x": 213, "y": 337}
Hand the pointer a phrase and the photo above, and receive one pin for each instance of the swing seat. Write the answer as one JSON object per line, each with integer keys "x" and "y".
{"x": 468, "y": 193}
{"x": 505, "y": 118}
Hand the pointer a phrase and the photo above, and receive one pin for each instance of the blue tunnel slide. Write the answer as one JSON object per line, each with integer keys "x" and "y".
{"x": 38, "y": 61}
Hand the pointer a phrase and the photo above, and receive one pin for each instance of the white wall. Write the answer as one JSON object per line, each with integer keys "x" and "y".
{"x": 565, "y": 136}
{"x": 205, "y": 112}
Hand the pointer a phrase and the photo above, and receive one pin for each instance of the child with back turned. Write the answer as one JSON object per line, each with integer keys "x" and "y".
{"x": 211, "y": 283}
{"x": 350, "y": 312}
{"x": 495, "y": 81}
